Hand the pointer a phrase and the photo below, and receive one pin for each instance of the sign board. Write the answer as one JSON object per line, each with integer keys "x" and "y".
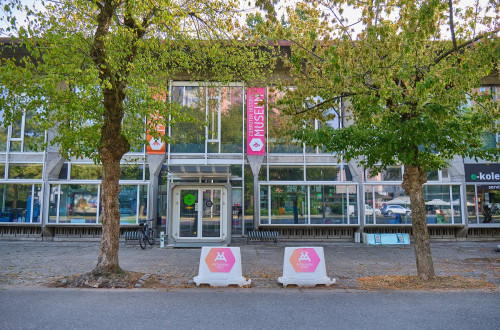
{"x": 256, "y": 121}
{"x": 155, "y": 146}
{"x": 482, "y": 173}
{"x": 304, "y": 266}
{"x": 382, "y": 239}
{"x": 220, "y": 266}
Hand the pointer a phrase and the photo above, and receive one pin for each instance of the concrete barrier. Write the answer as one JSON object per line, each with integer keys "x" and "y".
{"x": 304, "y": 266}
{"x": 220, "y": 266}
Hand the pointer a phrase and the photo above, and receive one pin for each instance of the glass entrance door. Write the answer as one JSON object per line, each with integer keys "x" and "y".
{"x": 199, "y": 213}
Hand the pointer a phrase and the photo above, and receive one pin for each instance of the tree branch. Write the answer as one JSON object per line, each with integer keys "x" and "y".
{"x": 464, "y": 45}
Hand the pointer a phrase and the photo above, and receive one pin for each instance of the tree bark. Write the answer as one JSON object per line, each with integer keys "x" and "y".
{"x": 413, "y": 181}
{"x": 112, "y": 148}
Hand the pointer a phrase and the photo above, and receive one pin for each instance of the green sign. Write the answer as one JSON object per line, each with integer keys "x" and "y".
{"x": 189, "y": 199}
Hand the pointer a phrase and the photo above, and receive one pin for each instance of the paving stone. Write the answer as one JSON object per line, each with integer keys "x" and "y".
{"x": 30, "y": 263}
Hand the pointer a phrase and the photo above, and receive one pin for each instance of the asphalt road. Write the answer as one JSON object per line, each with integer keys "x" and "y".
{"x": 232, "y": 308}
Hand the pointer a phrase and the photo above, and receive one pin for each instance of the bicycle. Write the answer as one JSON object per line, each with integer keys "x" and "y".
{"x": 146, "y": 234}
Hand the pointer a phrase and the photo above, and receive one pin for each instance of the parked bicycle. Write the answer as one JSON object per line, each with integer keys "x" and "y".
{"x": 147, "y": 233}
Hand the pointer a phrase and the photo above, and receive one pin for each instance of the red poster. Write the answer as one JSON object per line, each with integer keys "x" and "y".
{"x": 156, "y": 146}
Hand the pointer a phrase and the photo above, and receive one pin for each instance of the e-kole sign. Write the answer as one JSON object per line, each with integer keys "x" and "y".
{"x": 482, "y": 173}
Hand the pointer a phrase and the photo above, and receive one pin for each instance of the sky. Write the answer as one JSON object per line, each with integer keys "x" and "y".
{"x": 353, "y": 16}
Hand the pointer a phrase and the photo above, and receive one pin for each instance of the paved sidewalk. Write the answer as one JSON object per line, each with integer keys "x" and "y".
{"x": 35, "y": 263}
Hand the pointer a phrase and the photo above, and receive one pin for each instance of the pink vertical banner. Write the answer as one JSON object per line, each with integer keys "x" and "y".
{"x": 256, "y": 121}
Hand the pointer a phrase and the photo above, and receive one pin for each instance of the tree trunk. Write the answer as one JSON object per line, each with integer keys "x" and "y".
{"x": 113, "y": 147}
{"x": 413, "y": 181}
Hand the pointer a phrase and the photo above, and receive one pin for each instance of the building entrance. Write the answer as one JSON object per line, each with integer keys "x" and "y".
{"x": 199, "y": 215}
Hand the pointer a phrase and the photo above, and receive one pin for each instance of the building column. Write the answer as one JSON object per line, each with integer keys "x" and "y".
{"x": 155, "y": 163}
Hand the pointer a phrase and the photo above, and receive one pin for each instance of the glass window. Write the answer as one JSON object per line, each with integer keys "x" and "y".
{"x": 143, "y": 202}
{"x": 389, "y": 203}
{"x": 456, "y": 204}
{"x": 438, "y": 205}
{"x": 288, "y": 204}
{"x": 471, "y": 204}
{"x": 25, "y": 131}
{"x": 78, "y": 203}
{"x": 20, "y": 203}
{"x": 2, "y": 170}
{"x": 86, "y": 172}
{"x": 128, "y": 204}
{"x": 232, "y": 120}
{"x": 433, "y": 175}
{"x": 189, "y": 135}
{"x": 392, "y": 173}
{"x": 286, "y": 173}
{"x": 236, "y": 216}
{"x": 131, "y": 172}
{"x": 488, "y": 197}
{"x": 323, "y": 173}
{"x": 280, "y": 128}
{"x": 25, "y": 171}
{"x": 333, "y": 204}
{"x": 248, "y": 198}
{"x": 3, "y": 133}
{"x": 33, "y": 136}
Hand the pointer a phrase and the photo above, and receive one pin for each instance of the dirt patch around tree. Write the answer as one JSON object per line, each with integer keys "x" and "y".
{"x": 123, "y": 279}
{"x": 411, "y": 282}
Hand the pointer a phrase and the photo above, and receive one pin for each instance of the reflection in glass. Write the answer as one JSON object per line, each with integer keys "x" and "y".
{"x": 280, "y": 128}
{"x": 189, "y": 135}
{"x": 211, "y": 214}
{"x": 25, "y": 171}
{"x": 78, "y": 204}
{"x": 20, "y": 203}
{"x": 128, "y": 204}
{"x": 86, "y": 172}
{"x": 323, "y": 173}
{"x": 286, "y": 173}
{"x": 288, "y": 204}
{"x": 188, "y": 219}
{"x": 471, "y": 204}
{"x": 232, "y": 120}
{"x": 392, "y": 173}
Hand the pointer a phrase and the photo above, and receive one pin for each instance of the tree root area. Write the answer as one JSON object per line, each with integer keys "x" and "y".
{"x": 97, "y": 279}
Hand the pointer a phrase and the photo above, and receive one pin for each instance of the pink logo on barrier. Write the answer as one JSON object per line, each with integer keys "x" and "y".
{"x": 220, "y": 260}
{"x": 304, "y": 260}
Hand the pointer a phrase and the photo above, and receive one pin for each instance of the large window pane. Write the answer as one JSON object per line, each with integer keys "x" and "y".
{"x": 392, "y": 203}
{"x": 20, "y": 203}
{"x": 288, "y": 204}
{"x": 189, "y": 135}
{"x": 211, "y": 213}
{"x": 3, "y": 133}
{"x": 456, "y": 204}
{"x": 323, "y": 173}
{"x": 489, "y": 203}
{"x": 128, "y": 204}
{"x": 33, "y": 136}
{"x": 25, "y": 171}
{"x": 392, "y": 173}
{"x": 78, "y": 204}
{"x": 286, "y": 173}
{"x": 143, "y": 202}
{"x": 280, "y": 129}
{"x": 131, "y": 172}
{"x": 471, "y": 204}
{"x": 232, "y": 120}
{"x": 86, "y": 172}
{"x": 329, "y": 205}
{"x": 370, "y": 210}
{"x": 438, "y": 205}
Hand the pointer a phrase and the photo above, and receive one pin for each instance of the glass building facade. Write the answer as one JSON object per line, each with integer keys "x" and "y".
{"x": 297, "y": 186}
